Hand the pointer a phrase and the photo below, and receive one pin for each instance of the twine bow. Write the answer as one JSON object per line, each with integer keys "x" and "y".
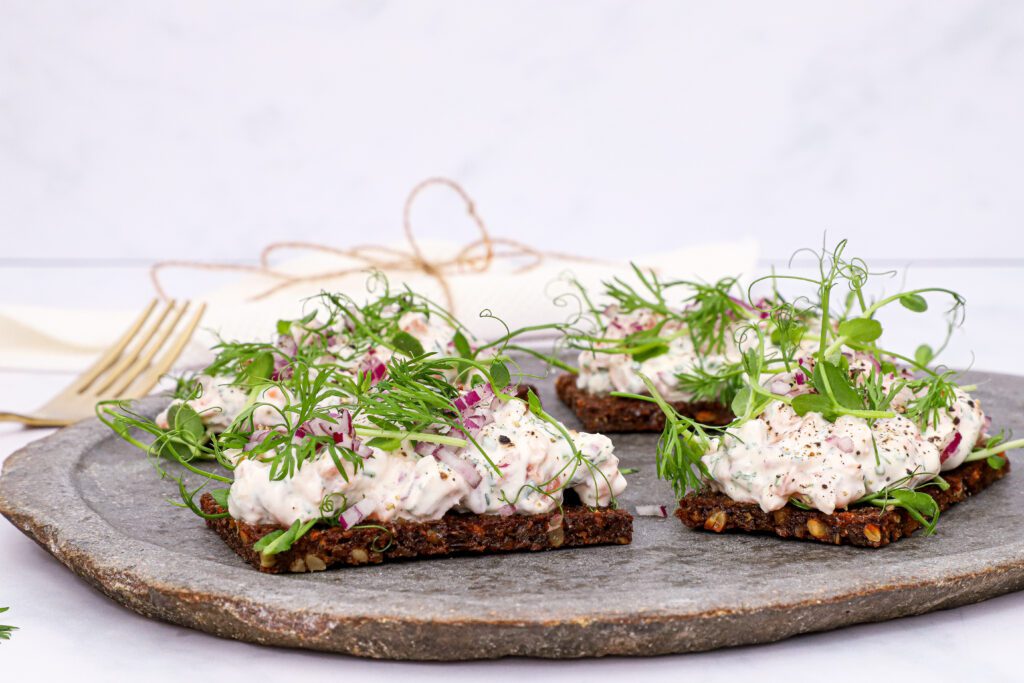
{"x": 476, "y": 256}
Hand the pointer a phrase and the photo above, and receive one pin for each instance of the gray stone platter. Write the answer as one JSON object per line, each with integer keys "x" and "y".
{"x": 99, "y": 508}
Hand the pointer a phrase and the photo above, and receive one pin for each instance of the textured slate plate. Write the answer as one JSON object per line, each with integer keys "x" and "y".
{"x": 99, "y": 508}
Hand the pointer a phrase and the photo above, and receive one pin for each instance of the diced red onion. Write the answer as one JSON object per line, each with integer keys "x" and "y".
{"x": 843, "y": 443}
{"x": 340, "y": 430}
{"x": 460, "y": 466}
{"x": 799, "y": 378}
{"x": 763, "y": 305}
{"x": 652, "y": 511}
{"x": 282, "y": 368}
{"x": 287, "y": 344}
{"x": 355, "y": 513}
{"x": 472, "y": 397}
{"x": 874, "y": 361}
{"x": 951, "y": 448}
{"x": 507, "y": 510}
{"x": 373, "y": 366}
{"x": 426, "y": 447}
{"x": 742, "y": 303}
{"x": 255, "y": 439}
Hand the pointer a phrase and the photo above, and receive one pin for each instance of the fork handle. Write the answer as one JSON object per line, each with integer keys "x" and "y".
{"x": 32, "y": 421}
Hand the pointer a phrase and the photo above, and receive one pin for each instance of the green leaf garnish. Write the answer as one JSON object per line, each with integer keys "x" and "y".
{"x": 811, "y": 403}
{"x": 914, "y": 302}
{"x": 220, "y": 496}
{"x": 182, "y": 416}
{"x": 385, "y": 443}
{"x": 741, "y": 401}
{"x": 533, "y": 402}
{"x": 829, "y": 379}
{"x": 923, "y": 355}
{"x": 280, "y": 541}
{"x": 261, "y": 368}
{"x": 651, "y": 352}
{"x": 500, "y": 375}
{"x": 462, "y": 345}
{"x": 919, "y": 505}
{"x": 188, "y": 429}
{"x": 407, "y": 344}
{"x": 861, "y": 330}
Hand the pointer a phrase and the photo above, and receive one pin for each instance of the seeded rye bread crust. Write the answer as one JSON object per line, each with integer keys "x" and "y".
{"x": 613, "y": 414}
{"x": 867, "y": 526}
{"x": 453, "y": 534}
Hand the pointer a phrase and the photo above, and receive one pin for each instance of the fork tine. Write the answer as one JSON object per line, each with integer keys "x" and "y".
{"x": 103, "y": 383}
{"x": 142, "y": 362}
{"x": 112, "y": 354}
{"x": 149, "y": 380}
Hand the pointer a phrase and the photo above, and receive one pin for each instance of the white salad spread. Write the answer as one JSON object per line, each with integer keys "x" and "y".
{"x": 404, "y": 484}
{"x": 434, "y": 333}
{"x": 602, "y": 372}
{"x": 780, "y": 455}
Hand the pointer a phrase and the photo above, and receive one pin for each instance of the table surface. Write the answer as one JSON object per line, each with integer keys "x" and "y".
{"x": 58, "y": 612}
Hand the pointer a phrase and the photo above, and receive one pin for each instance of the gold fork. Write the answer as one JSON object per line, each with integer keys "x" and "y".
{"x": 129, "y": 369}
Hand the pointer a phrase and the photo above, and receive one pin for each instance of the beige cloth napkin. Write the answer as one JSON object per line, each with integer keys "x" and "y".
{"x": 67, "y": 339}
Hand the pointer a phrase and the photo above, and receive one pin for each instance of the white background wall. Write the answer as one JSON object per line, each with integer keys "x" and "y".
{"x": 192, "y": 129}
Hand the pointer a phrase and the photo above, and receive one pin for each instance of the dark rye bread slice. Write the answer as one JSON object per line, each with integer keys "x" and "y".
{"x": 453, "y": 534}
{"x": 866, "y": 526}
{"x": 613, "y": 414}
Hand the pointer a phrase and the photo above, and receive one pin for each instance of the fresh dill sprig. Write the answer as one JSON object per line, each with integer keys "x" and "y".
{"x": 681, "y": 445}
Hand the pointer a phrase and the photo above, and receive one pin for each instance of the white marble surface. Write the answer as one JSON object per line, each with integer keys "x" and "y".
{"x": 132, "y": 131}
{"x": 156, "y": 129}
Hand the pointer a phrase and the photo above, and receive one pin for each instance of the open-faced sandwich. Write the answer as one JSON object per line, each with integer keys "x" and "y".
{"x": 680, "y": 336}
{"x": 837, "y": 438}
{"x": 377, "y": 431}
